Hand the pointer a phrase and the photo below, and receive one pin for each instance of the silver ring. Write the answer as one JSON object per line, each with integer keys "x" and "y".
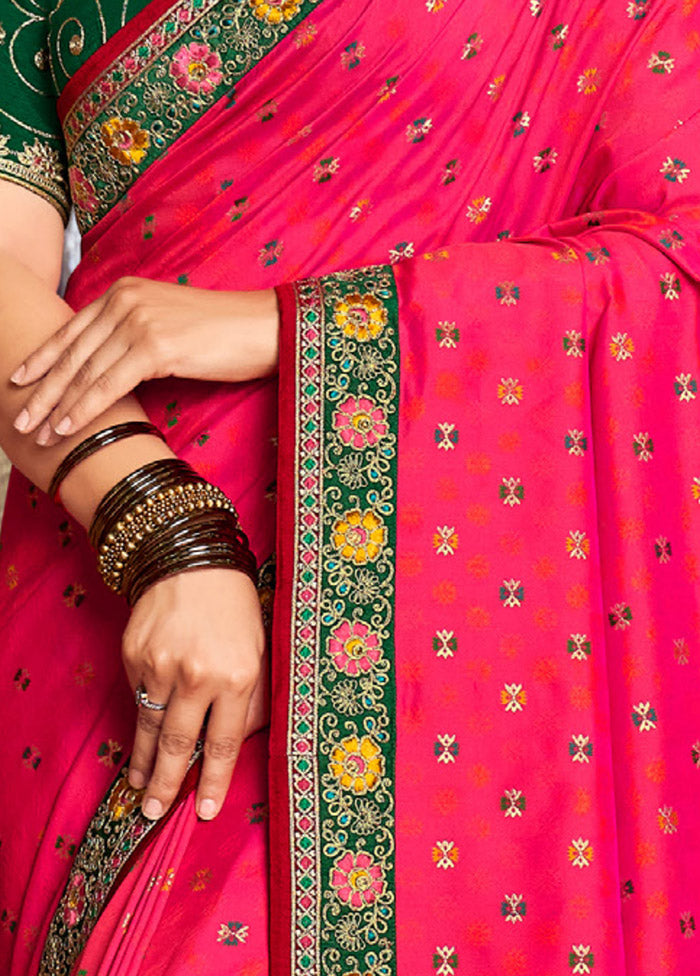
{"x": 143, "y": 701}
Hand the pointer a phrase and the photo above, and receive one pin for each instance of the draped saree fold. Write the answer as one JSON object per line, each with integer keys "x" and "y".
{"x": 482, "y": 223}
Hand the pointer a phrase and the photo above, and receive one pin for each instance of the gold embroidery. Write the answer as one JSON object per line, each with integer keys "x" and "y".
{"x": 341, "y": 731}
{"x": 31, "y": 151}
{"x": 160, "y": 86}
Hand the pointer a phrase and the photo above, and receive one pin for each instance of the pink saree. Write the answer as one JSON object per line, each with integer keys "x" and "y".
{"x": 484, "y": 750}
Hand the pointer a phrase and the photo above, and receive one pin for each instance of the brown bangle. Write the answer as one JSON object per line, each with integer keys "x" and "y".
{"x": 135, "y": 488}
{"x": 164, "y": 519}
{"x": 110, "y": 435}
{"x": 194, "y": 541}
{"x": 138, "y": 530}
{"x": 205, "y": 538}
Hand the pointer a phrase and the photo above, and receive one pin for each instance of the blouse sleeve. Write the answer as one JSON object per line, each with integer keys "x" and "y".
{"x": 32, "y": 152}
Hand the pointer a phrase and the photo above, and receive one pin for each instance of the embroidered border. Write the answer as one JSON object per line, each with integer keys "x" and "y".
{"x": 31, "y": 147}
{"x": 151, "y": 94}
{"x": 341, "y": 724}
{"x": 115, "y": 833}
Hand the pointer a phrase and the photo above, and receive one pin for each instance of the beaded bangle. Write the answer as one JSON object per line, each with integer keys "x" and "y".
{"x": 126, "y": 536}
{"x": 135, "y": 488}
{"x": 95, "y": 442}
{"x": 164, "y": 519}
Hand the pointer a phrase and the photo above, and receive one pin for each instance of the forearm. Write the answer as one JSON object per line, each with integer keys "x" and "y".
{"x": 29, "y": 313}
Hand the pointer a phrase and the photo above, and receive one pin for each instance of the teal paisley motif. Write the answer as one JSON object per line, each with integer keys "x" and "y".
{"x": 342, "y": 705}
{"x": 160, "y": 86}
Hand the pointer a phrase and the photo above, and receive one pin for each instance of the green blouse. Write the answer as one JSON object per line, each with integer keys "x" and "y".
{"x": 42, "y": 44}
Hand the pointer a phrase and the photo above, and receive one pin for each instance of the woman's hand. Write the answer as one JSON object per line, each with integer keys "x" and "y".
{"x": 139, "y": 330}
{"x": 195, "y": 640}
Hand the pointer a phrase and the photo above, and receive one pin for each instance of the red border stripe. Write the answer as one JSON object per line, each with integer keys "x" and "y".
{"x": 280, "y": 802}
{"x": 117, "y": 44}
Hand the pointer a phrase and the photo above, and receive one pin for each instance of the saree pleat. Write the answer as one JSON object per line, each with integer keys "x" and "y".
{"x": 482, "y": 227}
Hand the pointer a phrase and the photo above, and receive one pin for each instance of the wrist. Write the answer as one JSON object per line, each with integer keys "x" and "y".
{"x": 253, "y": 331}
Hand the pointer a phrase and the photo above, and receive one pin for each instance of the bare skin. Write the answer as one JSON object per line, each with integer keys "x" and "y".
{"x": 195, "y": 640}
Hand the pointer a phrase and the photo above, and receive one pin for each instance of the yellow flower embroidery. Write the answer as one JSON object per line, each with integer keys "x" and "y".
{"x": 123, "y": 798}
{"x": 359, "y": 536}
{"x": 361, "y": 317}
{"x": 357, "y": 763}
{"x": 127, "y": 142}
{"x": 275, "y": 11}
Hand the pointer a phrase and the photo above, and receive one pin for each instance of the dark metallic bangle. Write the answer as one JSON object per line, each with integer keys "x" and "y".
{"x": 110, "y": 435}
{"x": 164, "y": 519}
{"x": 135, "y": 488}
{"x": 194, "y": 542}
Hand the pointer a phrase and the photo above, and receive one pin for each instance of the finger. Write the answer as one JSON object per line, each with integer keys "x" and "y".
{"x": 71, "y": 366}
{"x": 48, "y": 353}
{"x": 148, "y": 727}
{"x": 107, "y": 387}
{"x": 222, "y": 746}
{"x": 258, "y": 714}
{"x": 107, "y": 354}
{"x": 176, "y": 743}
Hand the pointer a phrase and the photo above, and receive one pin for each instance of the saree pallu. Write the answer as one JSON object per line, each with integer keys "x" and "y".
{"x": 484, "y": 749}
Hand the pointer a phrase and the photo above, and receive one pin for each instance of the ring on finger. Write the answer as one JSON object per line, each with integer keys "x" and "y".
{"x": 143, "y": 701}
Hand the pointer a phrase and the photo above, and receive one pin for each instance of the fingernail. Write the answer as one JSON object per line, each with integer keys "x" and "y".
{"x": 152, "y": 808}
{"x": 22, "y": 420}
{"x": 44, "y": 433}
{"x": 207, "y": 809}
{"x": 137, "y": 779}
{"x": 19, "y": 374}
{"x": 64, "y": 427}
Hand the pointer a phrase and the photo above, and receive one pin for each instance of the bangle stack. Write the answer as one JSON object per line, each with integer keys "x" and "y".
{"x": 158, "y": 511}
{"x": 164, "y": 519}
{"x": 160, "y": 520}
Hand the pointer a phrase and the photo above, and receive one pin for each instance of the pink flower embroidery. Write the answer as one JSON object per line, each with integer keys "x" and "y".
{"x": 195, "y": 68}
{"x": 75, "y": 900}
{"x": 353, "y": 647}
{"x": 360, "y": 422}
{"x": 82, "y": 190}
{"x": 357, "y": 880}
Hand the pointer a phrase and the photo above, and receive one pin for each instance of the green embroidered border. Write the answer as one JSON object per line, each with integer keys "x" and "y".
{"x": 135, "y": 110}
{"x": 341, "y": 718}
